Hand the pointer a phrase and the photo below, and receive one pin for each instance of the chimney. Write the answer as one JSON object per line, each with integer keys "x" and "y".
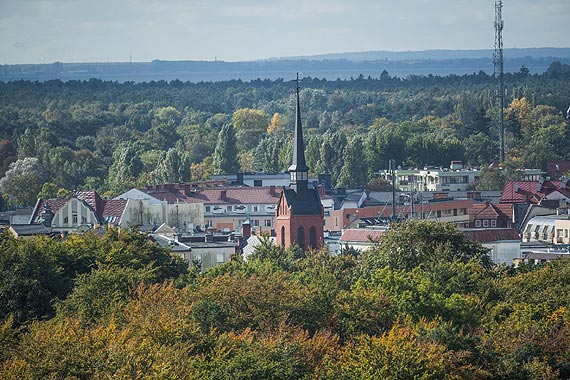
{"x": 321, "y": 190}
{"x": 246, "y": 229}
{"x": 272, "y": 190}
{"x": 223, "y": 195}
{"x": 46, "y": 215}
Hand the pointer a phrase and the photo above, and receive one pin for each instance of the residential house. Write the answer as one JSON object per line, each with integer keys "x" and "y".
{"x": 504, "y": 244}
{"x": 536, "y": 192}
{"x": 445, "y": 210}
{"x": 361, "y": 239}
{"x": 455, "y": 178}
{"x": 547, "y": 229}
{"x": 165, "y": 204}
{"x": 489, "y": 215}
{"x": 562, "y": 230}
{"x": 225, "y": 209}
{"x": 84, "y": 210}
{"x": 204, "y": 249}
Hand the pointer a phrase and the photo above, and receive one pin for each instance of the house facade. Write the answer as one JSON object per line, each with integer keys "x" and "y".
{"x": 455, "y": 178}
{"x": 489, "y": 215}
{"x": 453, "y": 211}
{"x": 83, "y": 211}
{"x": 152, "y": 208}
{"x": 504, "y": 244}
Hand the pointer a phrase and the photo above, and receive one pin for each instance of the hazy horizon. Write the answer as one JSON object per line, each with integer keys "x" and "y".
{"x": 46, "y": 31}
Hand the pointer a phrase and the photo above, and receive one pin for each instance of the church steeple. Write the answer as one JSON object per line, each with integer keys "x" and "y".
{"x": 299, "y": 216}
{"x": 298, "y": 170}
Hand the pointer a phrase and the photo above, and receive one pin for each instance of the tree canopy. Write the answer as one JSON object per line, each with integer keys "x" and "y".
{"x": 118, "y": 305}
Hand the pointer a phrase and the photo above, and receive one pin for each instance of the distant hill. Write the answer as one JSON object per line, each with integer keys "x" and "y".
{"x": 328, "y": 66}
{"x": 438, "y": 55}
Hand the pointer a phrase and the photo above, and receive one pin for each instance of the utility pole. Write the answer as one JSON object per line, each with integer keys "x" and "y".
{"x": 392, "y": 168}
{"x": 498, "y": 66}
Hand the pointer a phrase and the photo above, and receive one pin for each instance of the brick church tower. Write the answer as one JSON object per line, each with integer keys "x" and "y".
{"x": 299, "y": 214}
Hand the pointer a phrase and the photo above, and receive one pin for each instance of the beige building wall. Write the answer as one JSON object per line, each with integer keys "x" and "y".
{"x": 562, "y": 231}
{"x": 183, "y": 215}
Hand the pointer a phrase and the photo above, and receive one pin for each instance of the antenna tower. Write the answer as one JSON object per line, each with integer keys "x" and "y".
{"x": 498, "y": 65}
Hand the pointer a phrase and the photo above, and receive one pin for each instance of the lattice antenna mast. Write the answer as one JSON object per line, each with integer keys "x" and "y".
{"x": 498, "y": 65}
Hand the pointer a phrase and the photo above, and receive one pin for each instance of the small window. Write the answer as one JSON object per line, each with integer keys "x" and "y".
{"x": 257, "y": 183}
{"x": 207, "y": 209}
{"x": 229, "y": 208}
{"x": 83, "y": 220}
{"x": 255, "y": 222}
{"x": 74, "y": 218}
{"x": 209, "y": 224}
{"x": 66, "y": 220}
{"x": 493, "y": 223}
{"x": 485, "y": 223}
{"x": 267, "y": 223}
{"x": 219, "y": 258}
{"x": 477, "y": 223}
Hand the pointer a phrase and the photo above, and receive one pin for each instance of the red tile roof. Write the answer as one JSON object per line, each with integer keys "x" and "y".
{"x": 92, "y": 199}
{"x": 490, "y": 210}
{"x": 236, "y": 195}
{"x": 106, "y": 210}
{"x": 527, "y": 191}
{"x": 361, "y": 235}
{"x": 54, "y": 204}
{"x": 492, "y": 235}
{"x": 170, "y": 196}
{"x": 114, "y": 209}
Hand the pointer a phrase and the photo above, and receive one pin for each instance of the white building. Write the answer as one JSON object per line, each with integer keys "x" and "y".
{"x": 151, "y": 209}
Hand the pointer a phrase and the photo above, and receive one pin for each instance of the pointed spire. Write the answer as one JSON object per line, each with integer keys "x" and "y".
{"x": 299, "y": 164}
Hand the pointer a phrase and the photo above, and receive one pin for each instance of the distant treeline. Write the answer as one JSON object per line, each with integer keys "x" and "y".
{"x": 61, "y": 136}
{"x": 331, "y": 69}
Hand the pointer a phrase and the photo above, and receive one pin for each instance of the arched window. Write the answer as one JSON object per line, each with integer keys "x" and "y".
{"x": 301, "y": 237}
{"x": 283, "y": 236}
{"x": 313, "y": 237}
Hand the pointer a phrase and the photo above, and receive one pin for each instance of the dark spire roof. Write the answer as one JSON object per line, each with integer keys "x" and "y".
{"x": 299, "y": 164}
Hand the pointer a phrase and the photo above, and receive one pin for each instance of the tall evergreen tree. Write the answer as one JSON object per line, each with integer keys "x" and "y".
{"x": 225, "y": 154}
{"x": 173, "y": 167}
{"x": 354, "y": 172}
{"x": 126, "y": 167}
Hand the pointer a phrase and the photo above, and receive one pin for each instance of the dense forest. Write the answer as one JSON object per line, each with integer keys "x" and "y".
{"x": 57, "y": 137}
{"x": 119, "y": 306}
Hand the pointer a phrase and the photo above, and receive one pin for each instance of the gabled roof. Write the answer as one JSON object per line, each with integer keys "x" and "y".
{"x": 361, "y": 235}
{"x": 308, "y": 203}
{"x": 492, "y": 235}
{"x": 169, "y": 196}
{"x": 528, "y": 191}
{"x": 55, "y": 204}
{"x": 235, "y": 195}
{"x": 489, "y": 210}
{"x": 92, "y": 199}
{"x": 113, "y": 210}
{"x": 109, "y": 211}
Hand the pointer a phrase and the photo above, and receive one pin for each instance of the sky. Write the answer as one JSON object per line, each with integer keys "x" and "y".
{"x": 45, "y": 31}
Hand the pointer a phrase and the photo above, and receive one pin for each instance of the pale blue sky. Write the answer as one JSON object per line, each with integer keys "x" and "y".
{"x": 43, "y": 31}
